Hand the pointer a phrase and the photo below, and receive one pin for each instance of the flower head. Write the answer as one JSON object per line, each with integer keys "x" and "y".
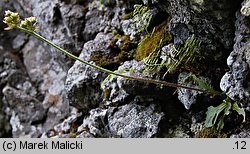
{"x": 11, "y": 19}
{"x": 29, "y": 23}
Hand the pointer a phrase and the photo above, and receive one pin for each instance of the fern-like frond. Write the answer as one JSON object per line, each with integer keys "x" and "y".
{"x": 140, "y": 12}
{"x": 152, "y": 61}
{"x": 185, "y": 55}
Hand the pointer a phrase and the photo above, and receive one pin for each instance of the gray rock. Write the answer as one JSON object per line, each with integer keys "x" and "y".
{"x": 243, "y": 134}
{"x": 208, "y": 20}
{"x": 186, "y": 96}
{"x": 38, "y": 75}
{"x": 120, "y": 88}
{"x": 128, "y": 28}
{"x": 136, "y": 27}
{"x": 20, "y": 129}
{"x": 149, "y": 2}
{"x": 12, "y": 73}
{"x": 245, "y": 8}
{"x": 128, "y": 121}
{"x": 4, "y": 126}
{"x": 83, "y": 82}
{"x": 135, "y": 121}
{"x": 49, "y": 76}
{"x": 167, "y": 55}
{"x": 59, "y": 22}
{"x": 236, "y": 82}
{"x": 101, "y": 19}
{"x": 33, "y": 100}
{"x": 109, "y": 2}
{"x": 26, "y": 111}
{"x": 178, "y": 132}
{"x": 19, "y": 41}
{"x": 65, "y": 126}
{"x": 85, "y": 134}
{"x": 62, "y": 23}
{"x": 64, "y": 129}
{"x": 96, "y": 123}
{"x": 207, "y": 23}
{"x": 15, "y": 97}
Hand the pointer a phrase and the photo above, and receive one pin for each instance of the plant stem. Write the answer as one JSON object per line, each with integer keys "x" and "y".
{"x": 169, "y": 84}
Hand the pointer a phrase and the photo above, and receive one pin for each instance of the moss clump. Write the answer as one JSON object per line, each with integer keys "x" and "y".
{"x": 106, "y": 94}
{"x": 104, "y": 60}
{"x": 119, "y": 48}
{"x": 211, "y": 133}
{"x": 154, "y": 41}
{"x": 73, "y": 135}
{"x": 124, "y": 43}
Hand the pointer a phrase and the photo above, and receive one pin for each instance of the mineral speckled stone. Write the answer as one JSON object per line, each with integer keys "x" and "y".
{"x": 83, "y": 82}
{"x": 245, "y": 8}
{"x": 135, "y": 121}
{"x": 127, "y": 121}
{"x": 236, "y": 81}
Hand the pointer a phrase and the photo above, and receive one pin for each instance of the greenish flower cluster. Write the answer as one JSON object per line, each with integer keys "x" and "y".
{"x": 29, "y": 23}
{"x": 12, "y": 20}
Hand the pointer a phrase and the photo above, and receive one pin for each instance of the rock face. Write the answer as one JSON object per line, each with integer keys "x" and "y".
{"x": 120, "y": 88}
{"x": 236, "y": 82}
{"x": 204, "y": 18}
{"x": 245, "y": 9}
{"x": 208, "y": 21}
{"x": 83, "y": 82}
{"x": 32, "y": 81}
{"x": 129, "y": 121}
{"x": 244, "y": 134}
{"x": 45, "y": 94}
{"x": 186, "y": 96}
{"x": 101, "y": 19}
{"x": 134, "y": 121}
{"x": 58, "y": 20}
{"x": 26, "y": 111}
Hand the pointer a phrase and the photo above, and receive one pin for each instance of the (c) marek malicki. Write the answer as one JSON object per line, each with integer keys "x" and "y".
{"x": 67, "y": 145}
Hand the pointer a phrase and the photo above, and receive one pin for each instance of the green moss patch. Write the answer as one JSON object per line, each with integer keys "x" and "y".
{"x": 211, "y": 133}
{"x": 119, "y": 48}
{"x": 154, "y": 41}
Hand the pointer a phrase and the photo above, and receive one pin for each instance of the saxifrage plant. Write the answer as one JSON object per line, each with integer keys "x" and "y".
{"x": 214, "y": 116}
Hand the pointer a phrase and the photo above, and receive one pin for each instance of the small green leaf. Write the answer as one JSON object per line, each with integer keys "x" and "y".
{"x": 220, "y": 124}
{"x": 213, "y": 113}
{"x": 228, "y": 106}
{"x": 131, "y": 71}
{"x": 239, "y": 110}
{"x": 106, "y": 79}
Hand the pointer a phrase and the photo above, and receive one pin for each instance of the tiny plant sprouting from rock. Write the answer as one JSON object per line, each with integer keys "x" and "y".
{"x": 183, "y": 56}
{"x": 188, "y": 54}
{"x": 215, "y": 115}
{"x": 28, "y": 25}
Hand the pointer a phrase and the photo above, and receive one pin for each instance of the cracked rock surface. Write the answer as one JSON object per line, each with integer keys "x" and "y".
{"x": 44, "y": 93}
